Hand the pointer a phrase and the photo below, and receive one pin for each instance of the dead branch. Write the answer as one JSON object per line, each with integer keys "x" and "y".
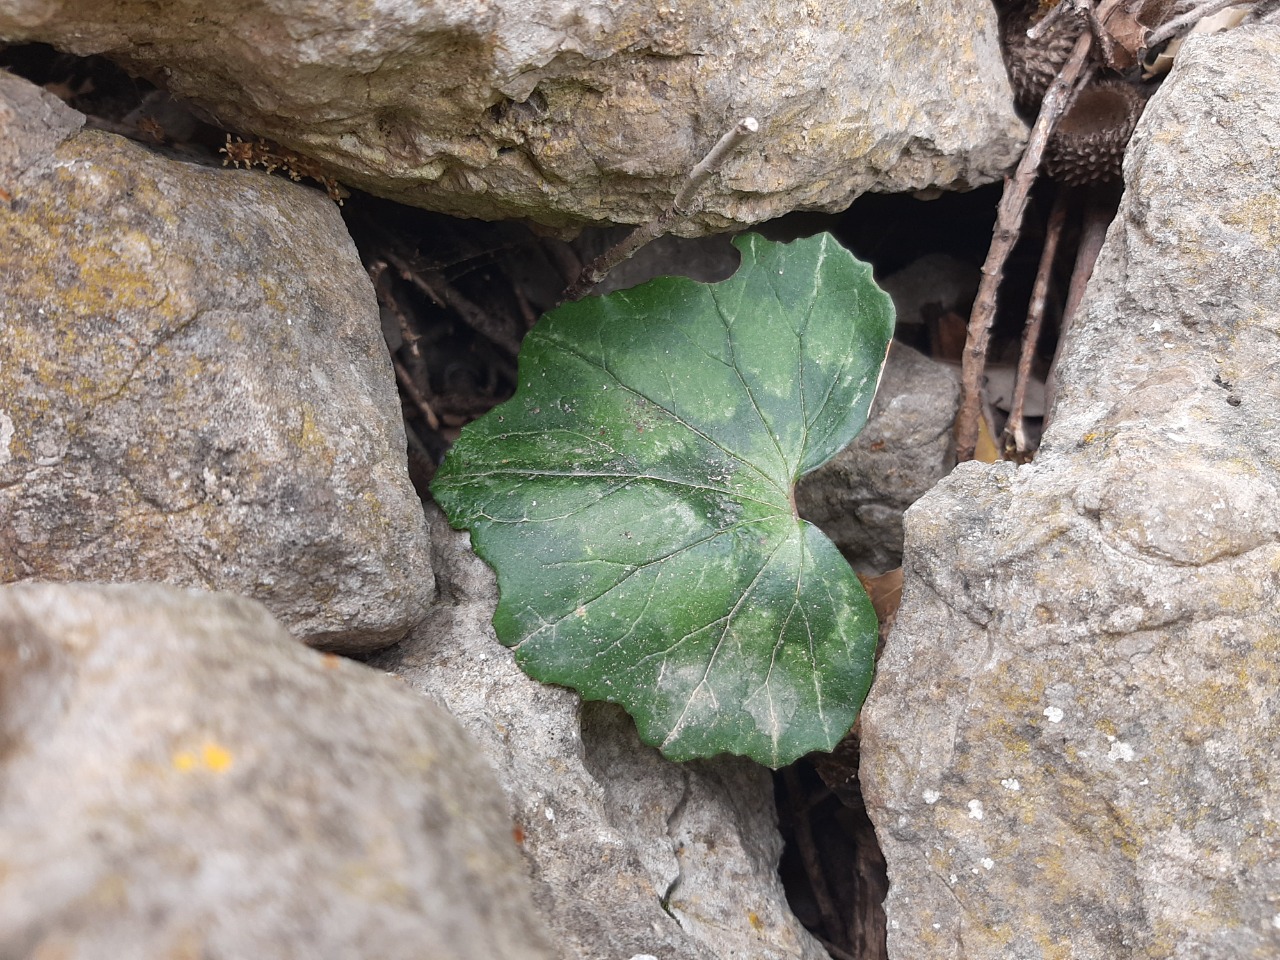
{"x": 809, "y": 851}
{"x": 1185, "y": 21}
{"x": 411, "y": 389}
{"x": 1093, "y": 231}
{"x": 1015, "y": 436}
{"x": 1038, "y": 30}
{"x": 1013, "y": 204}
{"x": 680, "y": 208}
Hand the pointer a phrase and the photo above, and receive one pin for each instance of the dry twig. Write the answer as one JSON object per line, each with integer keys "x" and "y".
{"x": 809, "y": 851}
{"x": 1013, "y": 204}
{"x": 1185, "y": 21}
{"x": 1093, "y": 231}
{"x": 418, "y": 399}
{"x": 1015, "y": 435}
{"x": 680, "y": 208}
{"x": 1045, "y": 24}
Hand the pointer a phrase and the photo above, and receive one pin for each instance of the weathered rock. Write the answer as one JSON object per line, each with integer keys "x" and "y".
{"x": 572, "y": 111}
{"x": 858, "y": 498}
{"x": 631, "y": 854}
{"x": 182, "y": 779}
{"x": 193, "y": 386}
{"x": 1070, "y": 749}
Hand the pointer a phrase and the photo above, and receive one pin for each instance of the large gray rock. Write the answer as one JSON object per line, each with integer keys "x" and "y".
{"x": 572, "y": 111}
{"x": 193, "y": 386}
{"x": 858, "y": 498}
{"x": 180, "y": 778}
{"x": 632, "y": 855}
{"x": 1071, "y": 746}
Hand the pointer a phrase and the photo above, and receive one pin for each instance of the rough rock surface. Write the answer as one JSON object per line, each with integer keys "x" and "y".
{"x": 193, "y": 386}
{"x": 1071, "y": 747}
{"x": 571, "y": 111}
{"x": 631, "y": 855}
{"x": 181, "y": 778}
{"x": 858, "y": 498}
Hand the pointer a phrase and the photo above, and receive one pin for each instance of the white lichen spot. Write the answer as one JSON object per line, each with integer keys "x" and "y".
{"x": 1054, "y": 714}
{"x": 1011, "y": 783}
{"x": 931, "y": 796}
{"x": 1275, "y": 921}
{"x": 975, "y": 810}
{"x": 6, "y": 438}
{"x": 1120, "y": 751}
{"x": 549, "y": 814}
{"x": 987, "y": 863}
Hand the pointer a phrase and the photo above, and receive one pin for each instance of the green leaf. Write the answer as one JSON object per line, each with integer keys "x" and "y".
{"x": 636, "y": 499}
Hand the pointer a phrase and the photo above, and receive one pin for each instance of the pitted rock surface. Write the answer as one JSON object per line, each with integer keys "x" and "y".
{"x": 1070, "y": 749}
{"x": 194, "y": 387}
{"x": 582, "y": 111}
{"x": 181, "y": 778}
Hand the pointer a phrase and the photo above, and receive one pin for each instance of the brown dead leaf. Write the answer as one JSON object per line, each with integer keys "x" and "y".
{"x": 986, "y": 449}
{"x": 885, "y": 592}
{"x": 1128, "y": 35}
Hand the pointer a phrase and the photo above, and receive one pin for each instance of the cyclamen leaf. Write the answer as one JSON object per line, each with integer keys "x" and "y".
{"x": 636, "y": 499}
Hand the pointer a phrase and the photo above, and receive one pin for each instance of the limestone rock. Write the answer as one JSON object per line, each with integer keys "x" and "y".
{"x": 180, "y": 778}
{"x": 1070, "y": 748}
{"x": 193, "y": 386}
{"x": 574, "y": 111}
{"x": 632, "y": 855}
{"x": 859, "y": 497}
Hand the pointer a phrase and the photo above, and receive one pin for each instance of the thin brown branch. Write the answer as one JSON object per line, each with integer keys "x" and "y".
{"x": 680, "y": 208}
{"x": 1045, "y": 24}
{"x": 411, "y": 390}
{"x": 1013, "y": 204}
{"x": 836, "y": 952}
{"x": 1098, "y": 213}
{"x": 1097, "y": 218}
{"x": 808, "y": 850}
{"x": 1183, "y": 22}
{"x": 1015, "y": 436}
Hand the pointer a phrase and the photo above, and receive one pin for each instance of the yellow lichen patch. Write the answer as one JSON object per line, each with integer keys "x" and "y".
{"x": 1259, "y": 215}
{"x": 311, "y": 439}
{"x": 210, "y": 756}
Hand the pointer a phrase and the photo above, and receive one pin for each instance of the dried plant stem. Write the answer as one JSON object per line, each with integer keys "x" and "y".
{"x": 1013, "y": 203}
{"x": 836, "y": 952}
{"x": 1187, "y": 20}
{"x": 411, "y": 390}
{"x": 1046, "y": 22}
{"x": 1097, "y": 218}
{"x": 1093, "y": 231}
{"x": 680, "y": 208}
{"x": 808, "y": 849}
{"x": 1015, "y": 435}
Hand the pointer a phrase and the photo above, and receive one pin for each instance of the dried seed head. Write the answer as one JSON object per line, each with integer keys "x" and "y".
{"x": 1089, "y": 143}
{"x": 1032, "y": 64}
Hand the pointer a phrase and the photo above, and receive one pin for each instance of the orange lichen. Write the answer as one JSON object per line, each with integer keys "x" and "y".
{"x": 211, "y": 756}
